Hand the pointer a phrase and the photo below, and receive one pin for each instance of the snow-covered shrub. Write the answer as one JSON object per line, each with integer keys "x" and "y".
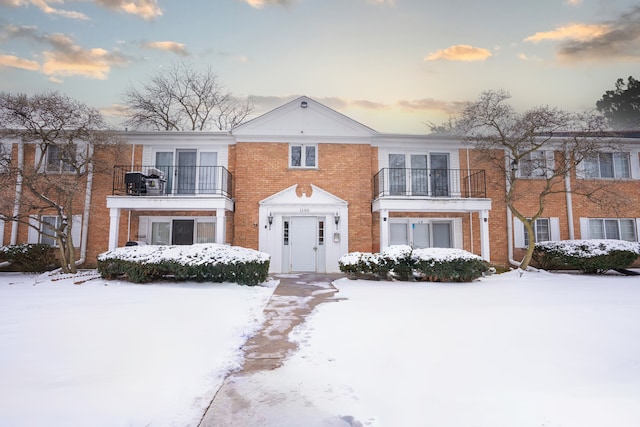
{"x": 360, "y": 264}
{"x": 200, "y": 262}
{"x": 589, "y": 256}
{"x": 447, "y": 265}
{"x": 31, "y": 257}
{"x": 396, "y": 261}
{"x": 402, "y": 263}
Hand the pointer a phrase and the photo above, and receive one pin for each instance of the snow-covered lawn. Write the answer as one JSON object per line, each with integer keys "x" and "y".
{"x": 109, "y": 353}
{"x": 539, "y": 350}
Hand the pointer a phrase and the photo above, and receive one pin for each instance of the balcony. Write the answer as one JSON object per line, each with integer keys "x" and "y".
{"x": 452, "y": 183}
{"x": 172, "y": 181}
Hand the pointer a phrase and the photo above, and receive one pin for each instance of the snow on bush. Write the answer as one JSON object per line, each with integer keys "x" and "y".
{"x": 201, "y": 262}
{"x": 400, "y": 262}
{"x": 590, "y": 256}
{"x": 196, "y": 254}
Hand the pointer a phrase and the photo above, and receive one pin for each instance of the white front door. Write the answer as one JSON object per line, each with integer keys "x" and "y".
{"x": 304, "y": 245}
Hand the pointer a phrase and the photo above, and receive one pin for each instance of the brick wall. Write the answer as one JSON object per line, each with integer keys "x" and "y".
{"x": 262, "y": 169}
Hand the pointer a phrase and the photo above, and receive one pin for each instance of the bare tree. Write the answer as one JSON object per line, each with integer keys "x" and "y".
{"x": 182, "y": 98}
{"x": 535, "y": 152}
{"x": 63, "y": 137}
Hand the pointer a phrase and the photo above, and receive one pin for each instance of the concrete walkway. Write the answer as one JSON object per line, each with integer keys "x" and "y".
{"x": 294, "y": 298}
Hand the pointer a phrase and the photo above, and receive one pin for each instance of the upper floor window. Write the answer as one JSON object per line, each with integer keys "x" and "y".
{"x": 541, "y": 229}
{"x": 535, "y": 164}
{"x": 303, "y": 156}
{"x": 5, "y": 157}
{"x": 60, "y": 158}
{"x": 617, "y": 229}
{"x": 608, "y": 165}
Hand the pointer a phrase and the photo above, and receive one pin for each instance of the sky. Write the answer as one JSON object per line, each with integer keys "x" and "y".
{"x": 394, "y": 65}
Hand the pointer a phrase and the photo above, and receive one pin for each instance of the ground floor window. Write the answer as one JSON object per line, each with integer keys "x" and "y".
{"x": 179, "y": 231}
{"x": 422, "y": 233}
{"x": 541, "y": 231}
{"x": 617, "y": 229}
{"x": 43, "y": 229}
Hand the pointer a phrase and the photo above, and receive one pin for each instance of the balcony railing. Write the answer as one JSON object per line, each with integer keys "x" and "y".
{"x": 146, "y": 180}
{"x": 453, "y": 183}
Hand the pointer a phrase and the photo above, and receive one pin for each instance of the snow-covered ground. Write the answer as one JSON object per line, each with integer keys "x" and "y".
{"x": 538, "y": 350}
{"x": 109, "y": 353}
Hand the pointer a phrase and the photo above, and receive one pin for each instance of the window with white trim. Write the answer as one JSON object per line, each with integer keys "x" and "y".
{"x": 536, "y": 164}
{"x": 42, "y": 230}
{"x": 541, "y": 231}
{"x": 5, "y": 156}
{"x": 612, "y": 228}
{"x": 303, "y": 156}
{"x": 61, "y": 158}
{"x": 608, "y": 165}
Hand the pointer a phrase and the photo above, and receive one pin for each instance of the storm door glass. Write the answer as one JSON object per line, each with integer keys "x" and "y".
{"x": 419, "y": 183}
{"x": 186, "y": 175}
{"x": 441, "y": 234}
{"x": 398, "y": 234}
{"x": 439, "y": 175}
{"x": 164, "y": 162}
{"x": 397, "y": 175}
{"x": 207, "y": 173}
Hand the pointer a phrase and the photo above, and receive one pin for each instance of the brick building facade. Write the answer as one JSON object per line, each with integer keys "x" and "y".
{"x": 307, "y": 184}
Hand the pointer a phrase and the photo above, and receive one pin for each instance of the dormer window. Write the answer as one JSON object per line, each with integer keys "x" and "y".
{"x": 303, "y": 156}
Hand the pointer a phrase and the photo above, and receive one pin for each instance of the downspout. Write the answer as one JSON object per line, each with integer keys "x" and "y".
{"x": 567, "y": 191}
{"x": 509, "y": 222}
{"x": 16, "y": 203}
{"x": 87, "y": 208}
{"x": 469, "y": 186}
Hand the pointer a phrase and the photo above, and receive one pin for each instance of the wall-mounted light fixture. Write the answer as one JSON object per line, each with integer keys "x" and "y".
{"x": 304, "y": 104}
{"x": 270, "y": 220}
{"x": 514, "y": 165}
{"x": 336, "y": 219}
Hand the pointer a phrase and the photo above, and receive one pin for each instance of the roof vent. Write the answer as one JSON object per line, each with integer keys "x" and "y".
{"x": 303, "y": 104}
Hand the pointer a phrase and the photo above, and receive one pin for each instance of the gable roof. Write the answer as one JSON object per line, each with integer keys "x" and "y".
{"x": 302, "y": 117}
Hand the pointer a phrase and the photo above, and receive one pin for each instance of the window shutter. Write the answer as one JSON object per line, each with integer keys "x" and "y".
{"x": 634, "y": 164}
{"x": 584, "y": 228}
{"x": 33, "y": 235}
{"x": 76, "y": 232}
{"x": 550, "y": 163}
{"x": 580, "y": 172}
{"x": 554, "y": 225}
{"x": 1, "y": 232}
{"x": 457, "y": 233}
{"x": 518, "y": 233}
{"x": 143, "y": 224}
{"x": 637, "y": 229}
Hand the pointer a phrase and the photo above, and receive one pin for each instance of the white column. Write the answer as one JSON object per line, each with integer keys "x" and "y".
{"x": 384, "y": 229}
{"x": 114, "y": 225}
{"x": 220, "y": 229}
{"x": 484, "y": 235}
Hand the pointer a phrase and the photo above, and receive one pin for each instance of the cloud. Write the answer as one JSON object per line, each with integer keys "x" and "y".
{"x": 15, "y": 62}
{"x": 68, "y": 59}
{"x": 525, "y": 57}
{"x": 461, "y": 52}
{"x": 62, "y": 57}
{"x": 574, "y": 2}
{"x": 387, "y": 2}
{"x": 145, "y": 9}
{"x": 44, "y": 7}
{"x": 573, "y": 32}
{"x": 430, "y": 104}
{"x": 259, "y": 4}
{"x": 175, "y": 47}
{"x": 617, "y": 39}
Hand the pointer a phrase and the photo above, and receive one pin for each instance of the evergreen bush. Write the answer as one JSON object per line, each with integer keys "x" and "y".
{"x": 213, "y": 263}
{"x": 402, "y": 263}
{"x": 588, "y": 256}
{"x": 30, "y": 257}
